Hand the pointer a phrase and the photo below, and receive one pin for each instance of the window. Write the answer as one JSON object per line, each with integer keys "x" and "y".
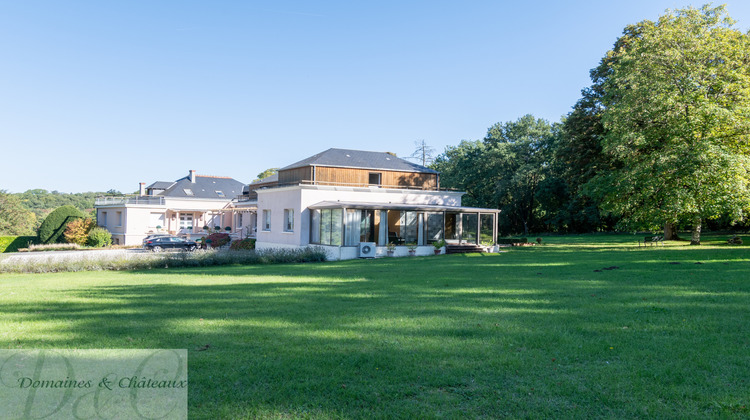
{"x": 288, "y": 220}
{"x": 186, "y": 221}
{"x": 402, "y": 227}
{"x": 104, "y": 219}
{"x": 267, "y": 220}
{"x": 326, "y": 226}
{"x": 434, "y": 225}
{"x": 374, "y": 178}
{"x": 220, "y": 194}
{"x": 188, "y": 191}
{"x": 487, "y": 228}
{"x": 119, "y": 219}
{"x": 362, "y": 226}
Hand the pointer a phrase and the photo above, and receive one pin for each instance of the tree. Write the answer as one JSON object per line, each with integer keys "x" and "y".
{"x": 52, "y": 228}
{"x": 77, "y": 231}
{"x": 677, "y": 118}
{"x": 423, "y": 153}
{"x": 265, "y": 174}
{"x": 15, "y": 220}
{"x": 504, "y": 171}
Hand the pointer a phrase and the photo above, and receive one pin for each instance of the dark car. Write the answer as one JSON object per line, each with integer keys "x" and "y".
{"x": 155, "y": 235}
{"x": 164, "y": 243}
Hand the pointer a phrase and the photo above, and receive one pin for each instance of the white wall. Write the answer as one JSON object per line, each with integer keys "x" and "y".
{"x": 300, "y": 197}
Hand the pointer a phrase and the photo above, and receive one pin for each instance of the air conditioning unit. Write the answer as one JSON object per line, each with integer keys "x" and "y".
{"x": 367, "y": 250}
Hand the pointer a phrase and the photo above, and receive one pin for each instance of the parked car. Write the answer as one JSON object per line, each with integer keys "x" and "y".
{"x": 156, "y": 235}
{"x": 163, "y": 243}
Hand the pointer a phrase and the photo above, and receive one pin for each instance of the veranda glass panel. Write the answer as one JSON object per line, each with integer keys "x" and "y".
{"x": 336, "y": 226}
{"x": 353, "y": 220}
{"x": 315, "y": 226}
{"x": 409, "y": 226}
{"x": 325, "y": 226}
{"x": 451, "y": 227}
{"x": 434, "y": 223}
{"x": 487, "y": 228}
{"x": 469, "y": 228}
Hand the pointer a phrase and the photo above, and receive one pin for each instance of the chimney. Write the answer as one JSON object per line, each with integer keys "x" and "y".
{"x": 142, "y": 188}
{"x": 192, "y": 176}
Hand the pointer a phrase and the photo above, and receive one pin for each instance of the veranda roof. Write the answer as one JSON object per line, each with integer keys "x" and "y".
{"x": 398, "y": 206}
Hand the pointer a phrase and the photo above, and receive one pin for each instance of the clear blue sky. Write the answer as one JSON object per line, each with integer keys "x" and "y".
{"x": 100, "y": 94}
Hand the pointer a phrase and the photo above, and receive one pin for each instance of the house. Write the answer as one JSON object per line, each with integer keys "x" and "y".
{"x": 182, "y": 207}
{"x": 340, "y": 198}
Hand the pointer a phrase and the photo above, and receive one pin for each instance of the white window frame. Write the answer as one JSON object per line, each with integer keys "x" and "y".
{"x": 288, "y": 220}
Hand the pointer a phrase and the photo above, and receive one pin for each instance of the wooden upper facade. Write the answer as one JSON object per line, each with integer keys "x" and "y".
{"x": 353, "y": 168}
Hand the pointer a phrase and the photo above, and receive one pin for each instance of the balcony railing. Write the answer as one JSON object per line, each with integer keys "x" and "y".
{"x": 144, "y": 200}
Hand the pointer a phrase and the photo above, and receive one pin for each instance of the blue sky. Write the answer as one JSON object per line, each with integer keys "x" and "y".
{"x": 99, "y": 95}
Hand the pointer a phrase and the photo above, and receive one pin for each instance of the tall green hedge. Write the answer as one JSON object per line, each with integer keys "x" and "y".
{"x": 53, "y": 226}
{"x": 13, "y": 243}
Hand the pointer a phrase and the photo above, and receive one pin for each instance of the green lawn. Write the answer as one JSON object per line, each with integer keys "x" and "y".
{"x": 585, "y": 326}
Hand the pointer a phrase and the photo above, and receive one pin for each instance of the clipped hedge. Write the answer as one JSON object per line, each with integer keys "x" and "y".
{"x": 14, "y": 243}
{"x": 511, "y": 241}
{"x": 165, "y": 260}
{"x": 52, "y": 228}
{"x": 246, "y": 244}
{"x": 99, "y": 237}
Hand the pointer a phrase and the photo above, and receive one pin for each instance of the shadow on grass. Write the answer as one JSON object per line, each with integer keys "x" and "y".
{"x": 532, "y": 332}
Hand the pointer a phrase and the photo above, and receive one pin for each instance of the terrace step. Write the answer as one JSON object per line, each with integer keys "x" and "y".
{"x": 463, "y": 249}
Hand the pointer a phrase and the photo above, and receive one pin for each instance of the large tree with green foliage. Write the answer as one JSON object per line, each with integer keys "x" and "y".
{"x": 504, "y": 170}
{"x": 15, "y": 219}
{"x": 677, "y": 119}
{"x": 53, "y": 227}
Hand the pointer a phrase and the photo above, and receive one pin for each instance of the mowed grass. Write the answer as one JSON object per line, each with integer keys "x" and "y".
{"x": 582, "y": 327}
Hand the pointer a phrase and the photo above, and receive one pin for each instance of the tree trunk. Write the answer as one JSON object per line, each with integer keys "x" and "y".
{"x": 695, "y": 238}
{"x": 669, "y": 233}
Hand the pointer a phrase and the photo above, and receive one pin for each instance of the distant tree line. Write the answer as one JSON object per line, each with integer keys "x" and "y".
{"x": 660, "y": 140}
{"x": 23, "y": 213}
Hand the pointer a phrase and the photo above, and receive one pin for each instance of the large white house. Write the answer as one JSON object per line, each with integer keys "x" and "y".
{"x": 182, "y": 207}
{"x": 340, "y": 199}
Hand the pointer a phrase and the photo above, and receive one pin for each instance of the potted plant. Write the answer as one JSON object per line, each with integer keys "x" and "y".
{"x": 438, "y": 245}
{"x": 158, "y": 228}
{"x": 217, "y": 228}
{"x": 412, "y": 247}
{"x": 228, "y": 229}
{"x": 206, "y": 228}
{"x": 390, "y": 249}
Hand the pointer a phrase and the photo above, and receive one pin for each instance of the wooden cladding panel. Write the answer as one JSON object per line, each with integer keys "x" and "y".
{"x": 296, "y": 175}
{"x": 350, "y": 176}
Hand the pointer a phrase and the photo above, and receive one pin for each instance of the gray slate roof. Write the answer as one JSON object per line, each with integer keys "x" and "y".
{"x": 270, "y": 178}
{"x": 346, "y": 158}
{"x": 204, "y": 187}
{"x": 160, "y": 185}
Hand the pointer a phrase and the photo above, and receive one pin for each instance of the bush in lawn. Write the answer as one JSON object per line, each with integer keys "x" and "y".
{"x": 246, "y": 244}
{"x": 217, "y": 239}
{"x": 52, "y": 228}
{"x": 99, "y": 237}
{"x": 77, "y": 231}
{"x": 13, "y": 243}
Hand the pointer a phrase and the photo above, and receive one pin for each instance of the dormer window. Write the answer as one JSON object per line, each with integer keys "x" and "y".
{"x": 220, "y": 194}
{"x": 188, "y": 191}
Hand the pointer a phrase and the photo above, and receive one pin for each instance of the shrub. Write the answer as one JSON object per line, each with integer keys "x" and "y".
{"x": 246, "y": 244}
{"x": 510, "y": 241}
{"x": 52, "y": 247}
{"x": 217, "y": 240}
{"x": 99, "y": 237}
{"x": 77, "y": 231}
{"x": 13, "y": 243}
{"x": 53, "y": 226}
{"x": 172, "y": 260}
